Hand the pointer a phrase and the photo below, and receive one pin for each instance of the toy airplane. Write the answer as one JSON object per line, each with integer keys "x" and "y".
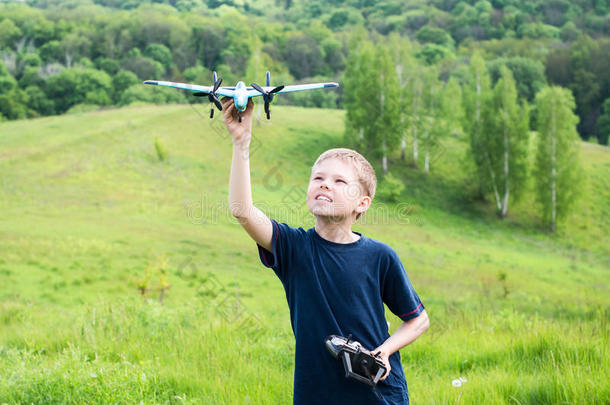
{"x": 240, "y": 93}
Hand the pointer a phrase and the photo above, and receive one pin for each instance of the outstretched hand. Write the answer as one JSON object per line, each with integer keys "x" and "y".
{"x": 240, "y": 131}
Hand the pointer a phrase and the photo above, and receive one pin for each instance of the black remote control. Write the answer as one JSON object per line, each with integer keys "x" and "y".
{"x": 358, "y": 362}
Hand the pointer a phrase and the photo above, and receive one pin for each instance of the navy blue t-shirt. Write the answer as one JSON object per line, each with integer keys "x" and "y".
{"x": 339, "y": 289}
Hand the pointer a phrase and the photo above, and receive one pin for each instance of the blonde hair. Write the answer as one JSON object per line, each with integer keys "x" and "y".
{"x": 364, "y": 170}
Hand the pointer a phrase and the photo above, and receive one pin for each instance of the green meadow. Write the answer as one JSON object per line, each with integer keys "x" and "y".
{"x": 124, "y": 279}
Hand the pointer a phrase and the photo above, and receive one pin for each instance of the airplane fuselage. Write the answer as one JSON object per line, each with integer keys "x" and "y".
{"x": 240, "y": 98}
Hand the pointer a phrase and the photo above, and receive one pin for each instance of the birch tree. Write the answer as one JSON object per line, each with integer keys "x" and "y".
{"x": 388, "y": 129}
{"x": 404, "y": 63}
{"x": 358, "y": 82}
{"x": 415, "y": 91}
{"x": 476, "y": 94}
{"x": 506, "y": 132}
{"x": 453, "y": 110}
{"x": 432, "y": 110}
{"x": 559, "y": 175}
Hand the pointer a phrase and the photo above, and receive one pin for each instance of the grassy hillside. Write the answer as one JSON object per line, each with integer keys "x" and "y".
{"x": 87, "y": 207}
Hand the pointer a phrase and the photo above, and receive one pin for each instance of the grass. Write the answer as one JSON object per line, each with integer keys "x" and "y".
{"x": 88, "y": 206}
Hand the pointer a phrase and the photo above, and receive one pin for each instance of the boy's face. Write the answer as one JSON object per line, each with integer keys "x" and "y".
{"x": 334, "y": 190}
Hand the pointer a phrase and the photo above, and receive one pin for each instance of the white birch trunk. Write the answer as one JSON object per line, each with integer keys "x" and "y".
{"x": 403, "y": 143}
{"x": 483, "y": 148}
{"x": 427, "y": 155}
{"x": 414, "y": 126}
{"x": 493, "y": 181}
{"x": 506, "y": 152}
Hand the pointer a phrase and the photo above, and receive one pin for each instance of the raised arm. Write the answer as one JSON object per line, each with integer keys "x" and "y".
{"x": 254, "y": 221}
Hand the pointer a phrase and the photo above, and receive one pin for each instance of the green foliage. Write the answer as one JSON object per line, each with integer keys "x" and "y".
{"x": 121, "y": 81}
{"x": 13, "y": 104}
{"x": 78, "y": 85}
{"x": 161, "y": 150}
{"x": 38, "y": 102}
{"x": 390, "y": 189}
{"x": 559, "y": 175}
{"x": 301, "y": 40}
{"x": 582, "y": 68}
{"x": 436, "y": 36}
{"x": 603, "y": 124}
{"x": 144, "y": 67}
{"x": 528, "y": 74}
{"x": 477, "y": 91}
{"x": 431, "y": 54}
{"x": 160, "y": 53}
{"x": 9, "y": 33}
{"x": 303, "y": 56}
{"x": 147, "y": 94}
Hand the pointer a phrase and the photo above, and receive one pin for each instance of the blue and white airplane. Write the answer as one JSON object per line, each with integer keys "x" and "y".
{"x": 240, "y": 93}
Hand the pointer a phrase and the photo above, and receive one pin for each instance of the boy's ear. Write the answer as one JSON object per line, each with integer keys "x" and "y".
{"x": 364, "y": 204}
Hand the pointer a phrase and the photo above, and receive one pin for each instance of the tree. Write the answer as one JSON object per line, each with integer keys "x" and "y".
{"x": 9, "y": 33}
{"x": 358, "y": 85}
{"x": 303, "y": 56}
{"x": 415, "y": 92}
{"x": 387, "y": 129}
{"x": 77, "y": 85}
{"x": 432, "y": 110}
{"x": 405, "y": 65}
{"x": 476, "y": 95}
{"x": 506, "y": 126}
{"x": 528, "y": 74}
{"x": 559, "y": 176}
{"x": 372, "y": 100}
{"x": 121, "y": 82}
{"x": 603, "y": 124}
{"x": 453, "y": 109}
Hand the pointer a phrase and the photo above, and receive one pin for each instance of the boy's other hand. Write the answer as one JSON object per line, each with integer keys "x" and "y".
{"x": 240, "y": 131}
{"x": 386, "y": 361}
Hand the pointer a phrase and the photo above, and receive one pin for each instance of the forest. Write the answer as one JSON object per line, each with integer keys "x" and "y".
{"x": 74, "y": 55}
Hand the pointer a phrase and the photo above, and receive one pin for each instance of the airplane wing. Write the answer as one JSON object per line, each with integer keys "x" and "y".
{"x": 294, "y": 87}
{"x": 222, "y": 91}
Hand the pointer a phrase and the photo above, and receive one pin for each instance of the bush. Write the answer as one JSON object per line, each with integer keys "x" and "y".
{"x": 161, "y": 149}
{"x": 390, "y": 189}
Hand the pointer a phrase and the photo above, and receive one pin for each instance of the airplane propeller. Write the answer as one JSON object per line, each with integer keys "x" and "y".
{"x": 267, "y": 95}
{"x": 212, "y": 95}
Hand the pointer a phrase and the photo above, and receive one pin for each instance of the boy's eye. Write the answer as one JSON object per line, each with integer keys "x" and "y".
{"x": 341, "y": 181}
{"x": 318, "y": 178}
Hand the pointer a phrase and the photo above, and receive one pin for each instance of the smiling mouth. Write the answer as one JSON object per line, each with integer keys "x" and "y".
{"x": 323, "y": 198}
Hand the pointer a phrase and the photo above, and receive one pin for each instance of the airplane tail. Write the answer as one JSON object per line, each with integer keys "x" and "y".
{"x": 268, "y": 79}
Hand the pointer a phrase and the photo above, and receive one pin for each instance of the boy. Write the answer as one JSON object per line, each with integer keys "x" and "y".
{"x": 335, "y": 280}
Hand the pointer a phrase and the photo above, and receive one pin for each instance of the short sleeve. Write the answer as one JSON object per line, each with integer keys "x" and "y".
{"x": 284, "y": 242}
{"x": 398, "y": 293}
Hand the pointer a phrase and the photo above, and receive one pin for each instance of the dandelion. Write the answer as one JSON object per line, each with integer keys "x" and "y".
{"x": 456, "y": 383}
